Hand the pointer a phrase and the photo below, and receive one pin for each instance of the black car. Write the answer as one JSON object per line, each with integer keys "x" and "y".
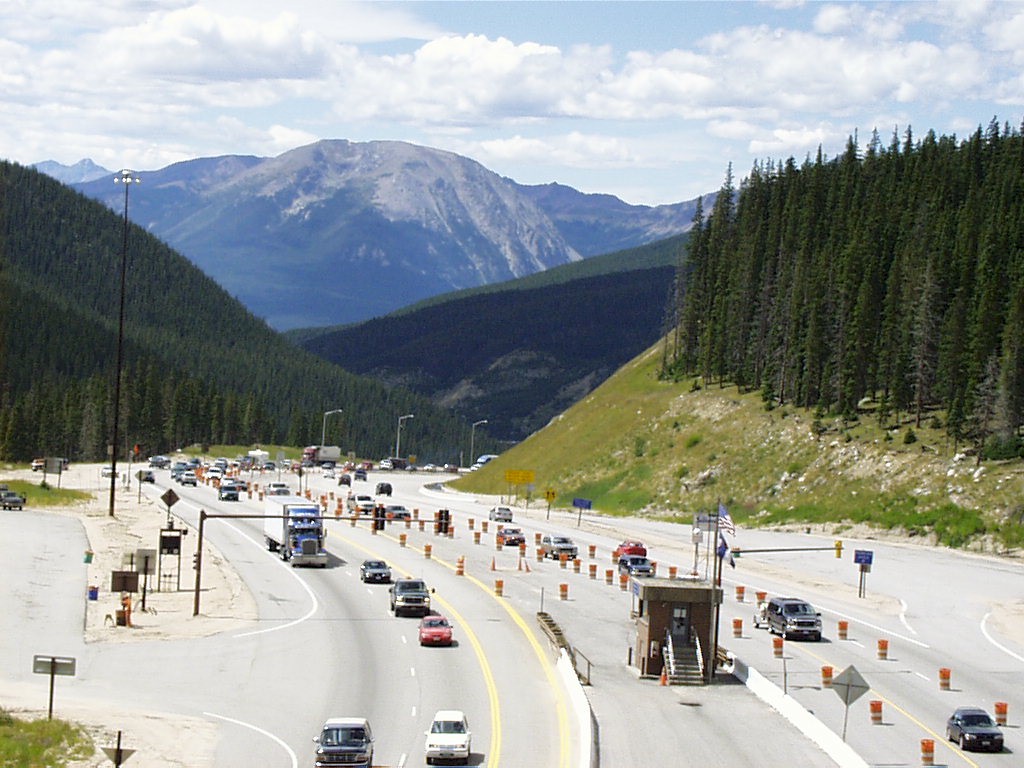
{"x": 345, "y": 479}
{"x": 375, "y": 570}
{"x": 228, "y": 492}
{"x": 383, "y": 489}
{"x": 410, "y": 596}
{"x": 973, "y": 729}
{"x": 359, "y": 474}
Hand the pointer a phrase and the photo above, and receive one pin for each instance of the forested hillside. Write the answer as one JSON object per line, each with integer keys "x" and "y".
{"x": 198, "y": 366}
{"x": 891, "y": 277}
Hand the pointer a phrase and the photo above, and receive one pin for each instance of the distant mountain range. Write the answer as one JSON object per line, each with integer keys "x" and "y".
{"x": 338, "y": 232}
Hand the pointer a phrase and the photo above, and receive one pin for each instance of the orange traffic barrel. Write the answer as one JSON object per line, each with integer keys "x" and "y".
{"x": 499, "y": 587}
{"x": 476, "y": 537}
{"x": 826, "y": 676}
{"x": 576, "y": 565}
{"x": 608, "y": 576}
{"x": 422, "y": 523}
{"x": 593, "y": 570}
{"x": 777, "y": 647}
{"x": 876, "y": 711}
{"x": 472, "y": 522}
{"x": 1001, "y": 711}
{"x": 741, "y": 592}
{"x": 563, "y": 560}
{"x": 883, "y": 649}
{"x": 944, "y": 675}
{"x": 654, "y": 567}
{"x": 623, "y": 581}
{"x": 401, "y": 539}
{"x": 672, "y": 571}
{"x": 536, "y": 538}
{"x": 540, "y": 554}
{"x": 591, "y": 550}
{"x": 844, "y": 627}
{"x": 737, "y": 627}
{"x": 426, "y": 550}
{"x": 483, "y": 526}
{"x": 761, "y": 596}
{"x": 927, "y": 752}
{"x": 563, "y": 591}
{"x": 460, "y": 566}
{"x": 498, "y": 544}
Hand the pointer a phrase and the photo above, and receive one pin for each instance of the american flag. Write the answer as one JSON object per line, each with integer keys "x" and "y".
{"x": 725, "y": 522}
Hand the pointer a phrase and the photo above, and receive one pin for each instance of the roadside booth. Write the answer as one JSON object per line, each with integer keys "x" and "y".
{"x": 675, "y": 623}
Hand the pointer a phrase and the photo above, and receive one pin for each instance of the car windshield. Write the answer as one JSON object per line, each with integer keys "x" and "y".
{"x": 375, "y": 564}
{"x": 798, "y": 609}
{"x": 438, "y": 622}
{"x": 343, "y": 737}
{"x": 448, "y": 726}
{"x": 410, "y": 586}
{"x": 976, "y": 719}
{"x": 561, "y": 540}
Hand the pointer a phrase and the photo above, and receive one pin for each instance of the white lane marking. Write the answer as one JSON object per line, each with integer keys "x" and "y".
{"x": 903, "y": 616}
{"x": 251, "y": 727}
{"x": 401, "y": 760}
{"x": 413, "y": 710}
{"x": 877, "y": 628}
{"x": 854, "y": 642}
{"x": 258, "y": 545}
{"x": 405, "y": 640}
{"x": 1003, "y": 648}
{"x": 412, "y": 671}
{"x": 923, "y": 677}
{"x": 315, "y": 604}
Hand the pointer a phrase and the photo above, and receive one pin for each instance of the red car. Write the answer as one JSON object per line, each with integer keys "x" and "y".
{"x": 435, "y": 630}
{"x": 630, "y": 547}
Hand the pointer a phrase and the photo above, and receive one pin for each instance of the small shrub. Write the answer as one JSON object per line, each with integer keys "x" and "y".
{"x": 909, "y": 438}
{"x": 693, "y": 441}
{"x": 639, "y": 446}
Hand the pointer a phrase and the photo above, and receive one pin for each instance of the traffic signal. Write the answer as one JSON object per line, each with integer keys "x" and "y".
{"x": 839, "y": 548}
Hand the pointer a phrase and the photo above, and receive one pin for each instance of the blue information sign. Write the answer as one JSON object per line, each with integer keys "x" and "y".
{"x": 581, "y": 503}
{"x": 863, "y": 556}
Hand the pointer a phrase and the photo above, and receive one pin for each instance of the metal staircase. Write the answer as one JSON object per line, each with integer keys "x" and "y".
{"x": 684, "y": 661}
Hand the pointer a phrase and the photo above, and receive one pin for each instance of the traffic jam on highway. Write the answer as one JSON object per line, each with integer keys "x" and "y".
{"x": 839, "y": 644}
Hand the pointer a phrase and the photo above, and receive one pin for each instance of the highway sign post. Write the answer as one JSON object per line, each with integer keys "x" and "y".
{"x": 849, "y": 685}
{"x": 580, "y": 505}
{"x": 550, "y": 495}
{"x": 53, "y": 666}
{"x": 863, "y": 558}
{"x": 118, "y": 754}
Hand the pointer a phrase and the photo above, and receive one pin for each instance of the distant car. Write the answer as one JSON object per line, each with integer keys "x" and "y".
{"x": 409, "y": 596}
{"x": 38, "y": 465}
{"x": 345, "y": 479}
{"x": 630, "y": 547}
{"x": 386, "y": 464}
{"x": 359, "y": 474}
{"x": 449, "y": 737}
{"x": 451, "y": 468}
{"x": 362, "y": 503}
{"x": 397, "y": 512}
{"x": 556, "y": 546}
{"x": 11, "y": 500}
{"x": 189, "y": 478}
{"x": 107, "y": 472}
{"x": 327, "y": 472}
{"x": 344, "y": 741}
{"x": 228, "y": 492}
{"x": 500, "y": 514}
{"x": 510, "y": 537}
{"x": 177, "y": 469}
{"x": 635, "y": 565}
{"x": 793, "y": 618}
{"x": 159, "y": 462}
{"x": 375, "y": 570}
{"x": 435, "y": 630}
{"x": 383, "y": 489}
{"x": 268, "y": 466}
{"x": 973, "y": 729}
{"x": 146, "y": 476}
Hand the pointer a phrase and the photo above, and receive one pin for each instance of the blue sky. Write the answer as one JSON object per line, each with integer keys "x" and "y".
{"x": 649, "y": 101}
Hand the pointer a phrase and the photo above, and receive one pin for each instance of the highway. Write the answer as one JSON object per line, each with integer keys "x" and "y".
{"x": 326, "y": 645}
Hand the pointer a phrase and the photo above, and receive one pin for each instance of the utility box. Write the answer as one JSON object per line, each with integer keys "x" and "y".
{"x": 677, "y": 618}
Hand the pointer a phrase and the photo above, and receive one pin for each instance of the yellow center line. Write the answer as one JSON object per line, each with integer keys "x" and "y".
{"x": 561, "y": 708}
{"x": 938, "y": 738}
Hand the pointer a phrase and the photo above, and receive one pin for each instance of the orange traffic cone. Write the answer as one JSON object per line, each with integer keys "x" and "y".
{"x": 664, "y": 676}
{"x": 492, "y": 565}
{"x": 527, "y": 564}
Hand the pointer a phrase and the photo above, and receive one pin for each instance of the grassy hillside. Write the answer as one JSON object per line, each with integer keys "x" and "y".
{"x": 640, "y": 445}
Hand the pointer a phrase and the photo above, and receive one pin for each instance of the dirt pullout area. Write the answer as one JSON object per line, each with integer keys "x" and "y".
{"x": 226, "y": 605}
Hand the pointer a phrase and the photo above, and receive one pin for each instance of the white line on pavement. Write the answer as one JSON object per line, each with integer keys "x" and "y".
{"x": 1003, "y": 648}
{"x": 251, "y": 727}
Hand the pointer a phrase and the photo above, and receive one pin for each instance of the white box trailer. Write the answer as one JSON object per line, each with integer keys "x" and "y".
{"x": 294, "y": 527}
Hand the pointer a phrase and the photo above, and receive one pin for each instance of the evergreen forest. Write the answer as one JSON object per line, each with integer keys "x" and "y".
{"x": 198, "y": 367}
{"x": 888, "y": 280}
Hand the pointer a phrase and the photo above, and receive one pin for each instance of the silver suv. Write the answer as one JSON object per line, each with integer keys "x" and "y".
{"x": 790, "y": 617}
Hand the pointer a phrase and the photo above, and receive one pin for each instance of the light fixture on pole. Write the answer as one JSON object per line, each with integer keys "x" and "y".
{"x": 323, "y": 429}
{"x": 398, "y": 435}
{"x": 472, "y": 438}
{"x": 127, "y": 178}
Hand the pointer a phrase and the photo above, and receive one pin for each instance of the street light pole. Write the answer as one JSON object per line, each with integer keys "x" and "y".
{"x": 127, "y": 178}
{"x": 398, "y": 434}
{"x": 323, "y": 430}
{"x": 472, "y": 438}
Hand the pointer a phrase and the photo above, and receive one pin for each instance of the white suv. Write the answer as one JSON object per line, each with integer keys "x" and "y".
{"x": 449, "y": 737}
{"x": 501, "y": 514}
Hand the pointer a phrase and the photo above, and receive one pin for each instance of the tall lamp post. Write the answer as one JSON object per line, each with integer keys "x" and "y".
{"x": 472, "y": 439}
{"x": 127, "y": 178}
{"x": 323, "y": 430}
{"x": 398, "y": 435}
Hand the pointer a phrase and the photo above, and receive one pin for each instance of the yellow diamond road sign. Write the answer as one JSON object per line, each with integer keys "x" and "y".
{"x": 519, "y": 476}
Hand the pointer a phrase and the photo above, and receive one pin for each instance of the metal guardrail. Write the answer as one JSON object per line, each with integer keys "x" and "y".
{"x": 557, "y": 637}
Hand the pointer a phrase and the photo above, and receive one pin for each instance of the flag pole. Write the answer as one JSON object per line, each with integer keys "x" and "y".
{"x": 715, "y": 605}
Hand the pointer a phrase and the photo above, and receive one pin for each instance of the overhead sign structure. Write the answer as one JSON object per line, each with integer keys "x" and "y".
{"x": 53, "y": 666}
{"x": 849, "y": 685}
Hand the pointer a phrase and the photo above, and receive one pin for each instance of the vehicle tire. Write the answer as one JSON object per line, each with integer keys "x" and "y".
{"x": 963, "y": 742}
{"x": 817, "y": 637}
